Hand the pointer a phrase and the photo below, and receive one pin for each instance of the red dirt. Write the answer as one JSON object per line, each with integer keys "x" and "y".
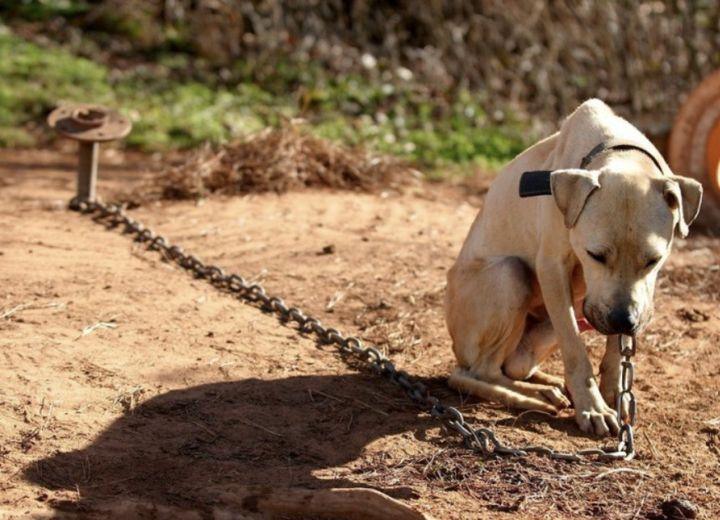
{"x": 189, "y": 396}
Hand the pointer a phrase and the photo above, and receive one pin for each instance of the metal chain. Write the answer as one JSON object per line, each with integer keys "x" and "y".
{"x": 626, "y": 398}
{"x": 482, "y": 440}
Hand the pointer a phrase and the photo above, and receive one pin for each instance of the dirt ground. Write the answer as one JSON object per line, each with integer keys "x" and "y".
{"x": 126, "y": 381}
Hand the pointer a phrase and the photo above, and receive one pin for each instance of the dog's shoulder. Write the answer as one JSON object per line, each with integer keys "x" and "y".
{"x": 593, "y": 114}
{"x": 593, "y": 108}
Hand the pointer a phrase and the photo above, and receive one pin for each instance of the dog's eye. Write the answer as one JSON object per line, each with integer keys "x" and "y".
{"x": 650, "y": 263}
{"x": 598, "y": 257}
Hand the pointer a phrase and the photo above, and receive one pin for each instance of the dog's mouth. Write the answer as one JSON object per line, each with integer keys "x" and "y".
{"x": 600, "y": 327}
{"x": 593, "y": 321}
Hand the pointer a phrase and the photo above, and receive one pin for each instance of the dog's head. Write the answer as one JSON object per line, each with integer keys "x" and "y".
{"x": 621, "y": 228}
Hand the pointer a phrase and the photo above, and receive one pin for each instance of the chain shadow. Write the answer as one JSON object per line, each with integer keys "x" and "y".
{"x": 191, "y": 447}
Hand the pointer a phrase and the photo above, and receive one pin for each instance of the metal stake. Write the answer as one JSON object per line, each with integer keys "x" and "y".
{"x": 90, "y": 125}
{"x": 88, "y": 156}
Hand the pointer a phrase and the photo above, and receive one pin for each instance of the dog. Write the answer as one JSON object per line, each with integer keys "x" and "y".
{"x": 532, "y": 270}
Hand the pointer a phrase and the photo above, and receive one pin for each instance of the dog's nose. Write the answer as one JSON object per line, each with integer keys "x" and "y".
{"x": 623, "y": 320}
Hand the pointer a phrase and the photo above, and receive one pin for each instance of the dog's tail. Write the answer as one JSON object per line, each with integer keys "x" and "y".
{"x": 463, "y": 380}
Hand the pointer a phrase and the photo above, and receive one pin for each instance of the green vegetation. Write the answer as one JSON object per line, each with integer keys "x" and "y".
{"x": 172, "y": 110}
{"x": 43, "y": 10}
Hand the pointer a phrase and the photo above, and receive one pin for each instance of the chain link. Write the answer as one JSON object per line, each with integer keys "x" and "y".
{"x": 626, "y": 406}
{"x": 482, "y": 440}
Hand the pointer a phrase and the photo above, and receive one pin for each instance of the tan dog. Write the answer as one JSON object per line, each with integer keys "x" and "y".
{"x": 530, "y": 267}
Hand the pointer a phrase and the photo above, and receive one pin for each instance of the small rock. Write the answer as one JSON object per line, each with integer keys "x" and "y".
{"x": 694, "y": 315}
{"x": 679, "y": 509}
{"x": 54, "y": 205}
{"x": 328, "y": 250}
{"x": 381, "y": 305}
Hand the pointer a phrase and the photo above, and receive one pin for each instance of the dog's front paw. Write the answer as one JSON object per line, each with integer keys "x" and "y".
{"x": 592, "y": 414}
{"x": 600, "y": 420}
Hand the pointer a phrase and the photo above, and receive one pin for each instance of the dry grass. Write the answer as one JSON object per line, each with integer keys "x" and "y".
{"x": 534, "y": 486}
{"x": 705, "y": 280}
{"x": 276, "y": 160}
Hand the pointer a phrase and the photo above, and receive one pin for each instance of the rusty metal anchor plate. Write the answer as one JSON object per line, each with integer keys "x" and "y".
{"x": 89, "y": 123}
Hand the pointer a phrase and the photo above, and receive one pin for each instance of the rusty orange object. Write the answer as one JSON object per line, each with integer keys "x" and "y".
{"x": 694, "y": 147}
{"x": 712, "y": 155}
{"x": 89, "y": 123}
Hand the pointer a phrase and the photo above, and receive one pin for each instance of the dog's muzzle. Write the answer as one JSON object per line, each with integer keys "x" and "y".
{"x": 621, "y": 319}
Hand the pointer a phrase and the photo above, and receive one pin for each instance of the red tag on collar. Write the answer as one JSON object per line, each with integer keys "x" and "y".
{"x": 584, "y": 325}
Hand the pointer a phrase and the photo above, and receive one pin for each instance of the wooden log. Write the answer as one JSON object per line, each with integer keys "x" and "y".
{"x": 350, "y": 503}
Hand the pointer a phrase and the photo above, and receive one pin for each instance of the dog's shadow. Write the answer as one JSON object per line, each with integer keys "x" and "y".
{"x": 188, "y": 447}
{"x": 193, "y": 446}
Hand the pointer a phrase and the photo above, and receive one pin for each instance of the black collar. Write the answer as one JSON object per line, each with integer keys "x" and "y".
{"x": 534, "y": 183}
{"x": 603, "y": 147}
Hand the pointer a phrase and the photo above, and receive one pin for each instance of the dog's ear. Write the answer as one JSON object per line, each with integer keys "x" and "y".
{"x": 684, "y": 195}
{"x": 571, "y": 188}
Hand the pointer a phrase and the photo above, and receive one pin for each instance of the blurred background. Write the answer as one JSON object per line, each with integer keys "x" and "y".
{"x": 445, "y": 84}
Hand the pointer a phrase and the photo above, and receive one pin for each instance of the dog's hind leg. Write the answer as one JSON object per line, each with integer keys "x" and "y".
{"x": 486, "y": 310}
{"x": 544, "y": 378}
{"x": 537, "y": 343}
{"x": 515, "y": 394}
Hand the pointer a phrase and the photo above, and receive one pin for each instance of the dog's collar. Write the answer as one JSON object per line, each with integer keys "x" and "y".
{"x": 604, "y": 147}
{"x": 534, "y": 183}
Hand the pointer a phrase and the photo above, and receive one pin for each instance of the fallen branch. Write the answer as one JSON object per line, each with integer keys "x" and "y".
{"x": 622, "y": 470}
{"x": 99, "y": 325}
{"x": 350, "y": 503}
{"x": 27, "y": 306}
